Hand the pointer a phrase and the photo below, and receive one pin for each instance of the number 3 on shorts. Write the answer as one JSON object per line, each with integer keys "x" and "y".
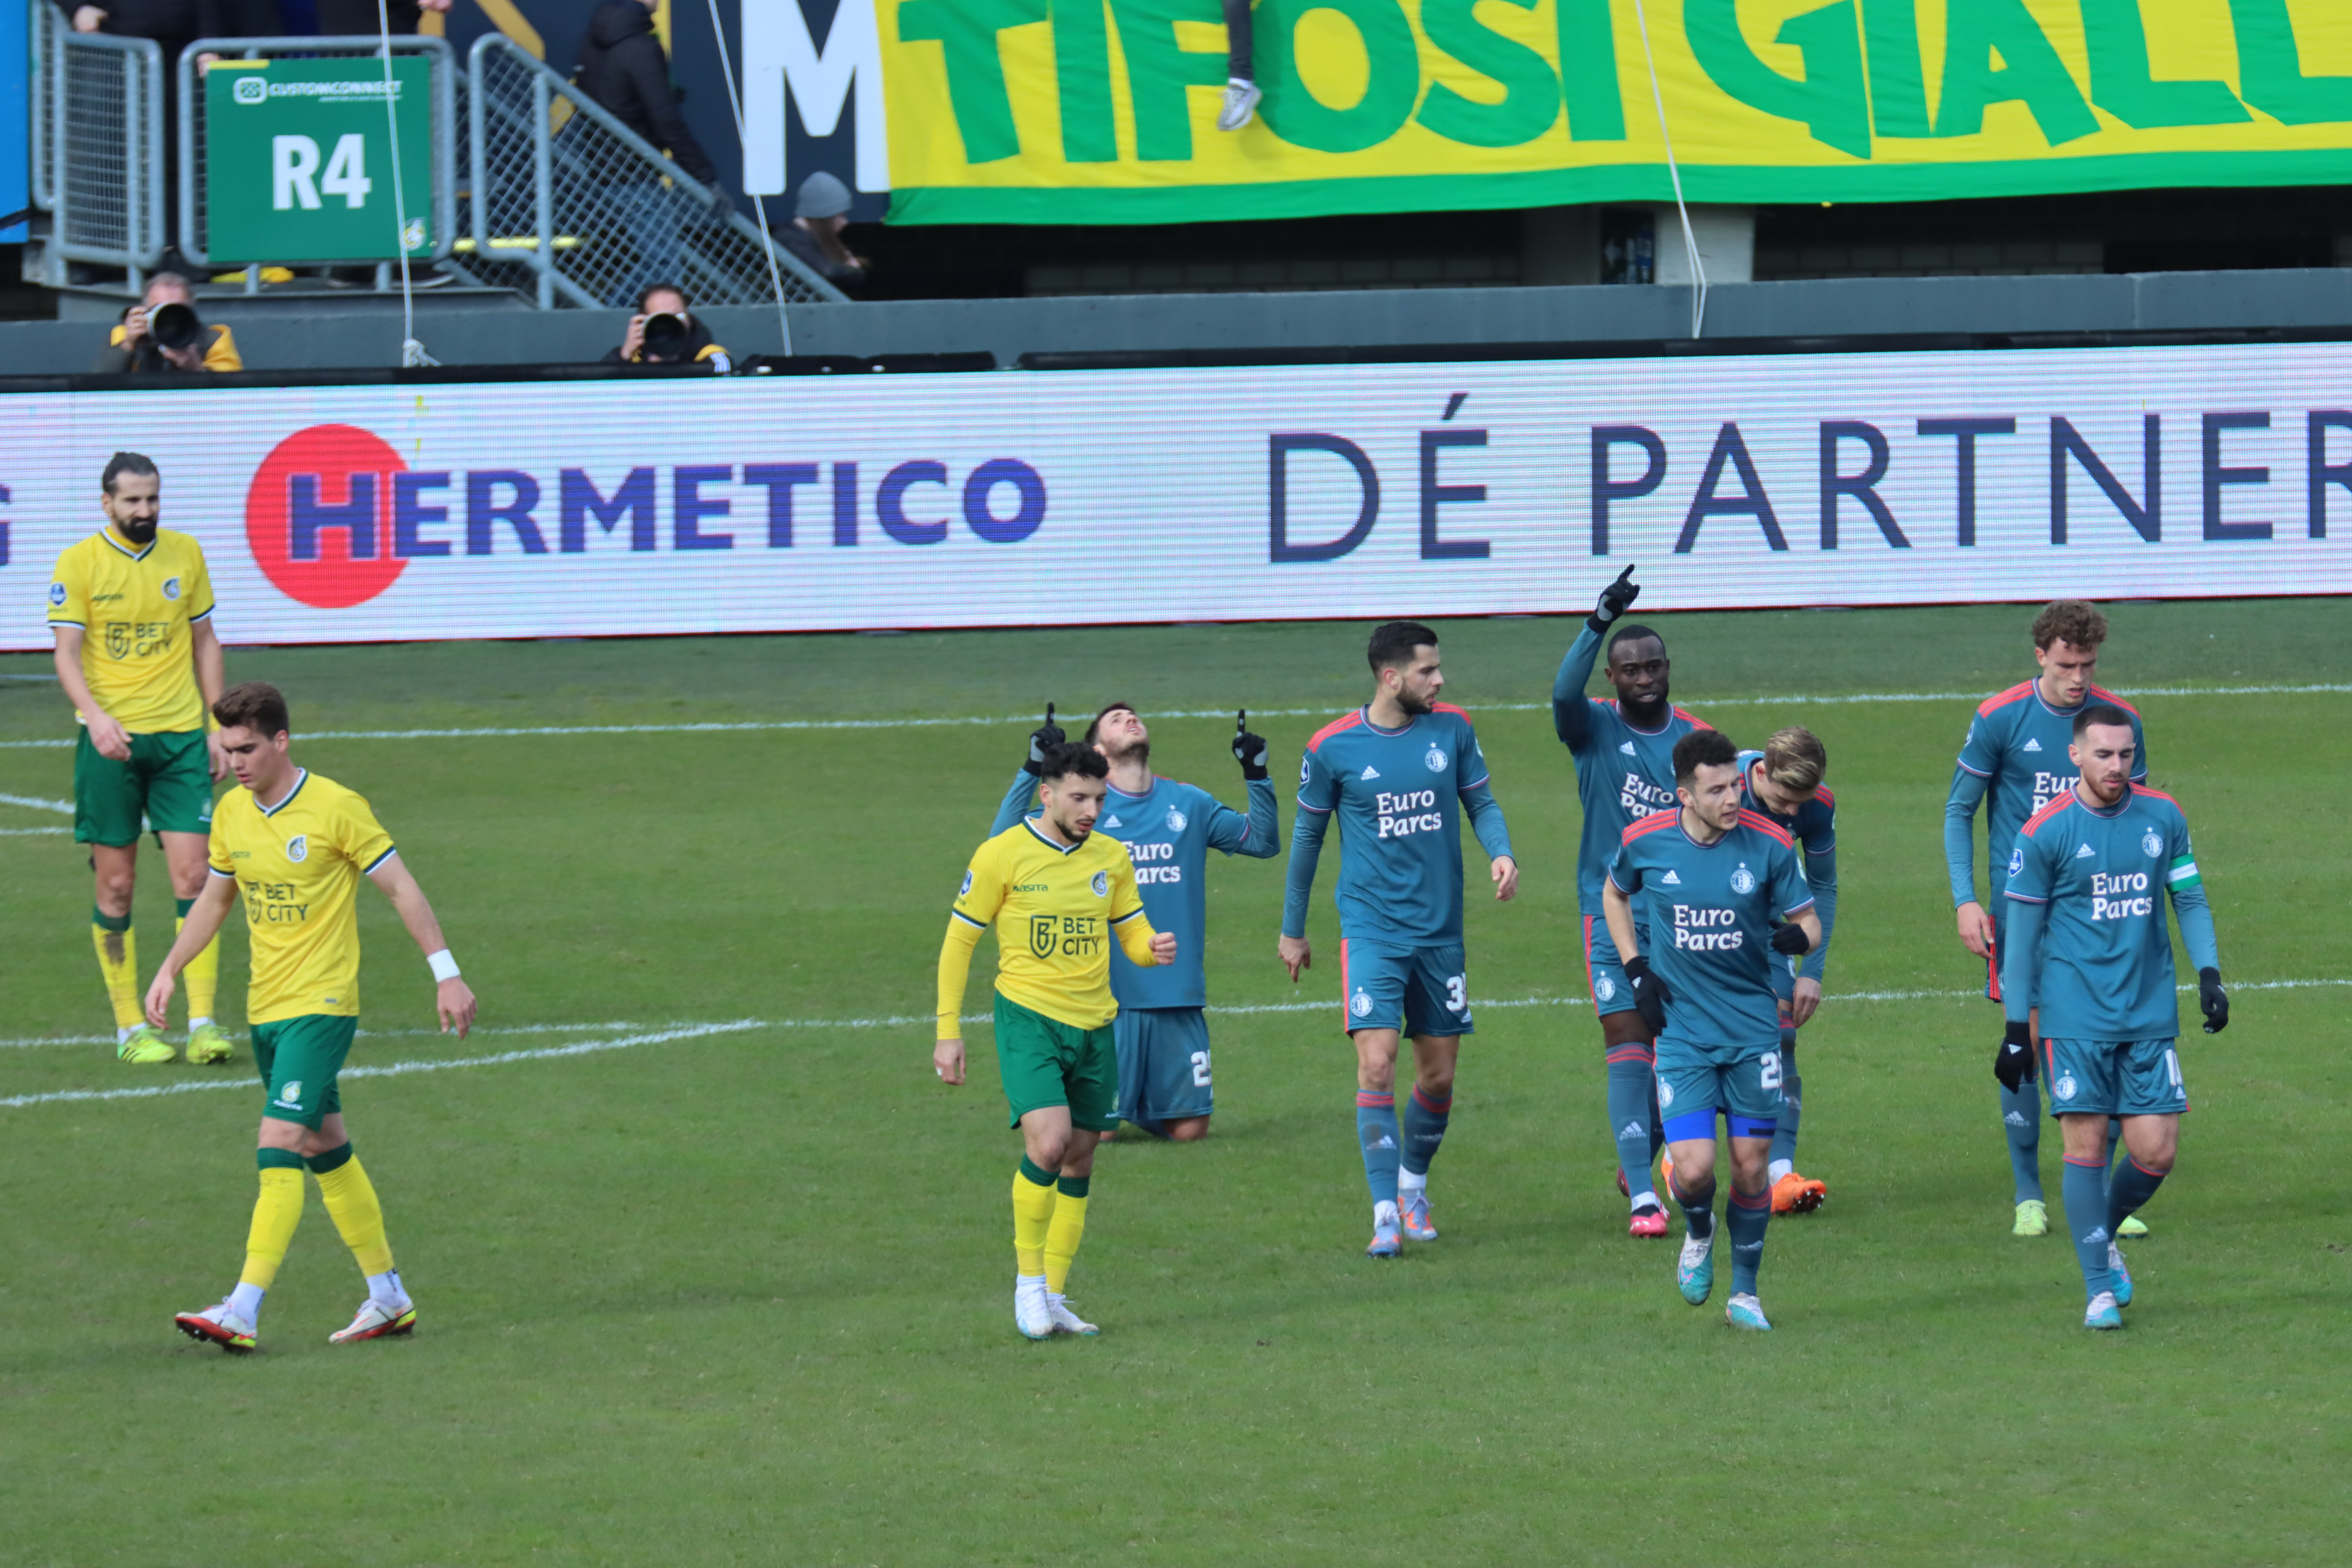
{"x": 1767, "y": 1069}
{"x": 1199, "y": 1070}
{"x": 1457, "y": 993}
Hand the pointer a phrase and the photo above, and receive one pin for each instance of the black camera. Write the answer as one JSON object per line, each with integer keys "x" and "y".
{"x": 173, "y": 326}
{"x": 665, "y": 336}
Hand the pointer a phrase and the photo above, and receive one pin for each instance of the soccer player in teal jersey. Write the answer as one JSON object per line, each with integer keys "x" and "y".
{"x": 1782, "y": 783}
{"x": 1398, "y": 775}
{"x": 2016, "y": 753}
{"x": 1623, "y": 749}
{"x": 1712, "y": 876}
{"x": 2088, "y": 942}
{"x": 1169, "y": 829}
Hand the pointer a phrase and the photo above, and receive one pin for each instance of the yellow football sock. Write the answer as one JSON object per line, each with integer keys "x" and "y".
{"x": 276, "y": 1213}
{"x": 202, "y": 977}
{"x": 352, "y": 1205}
{"x": 1033, "y": 1214}
{"x": 1068, "y": 1228}
{"x": 118, "y": 959}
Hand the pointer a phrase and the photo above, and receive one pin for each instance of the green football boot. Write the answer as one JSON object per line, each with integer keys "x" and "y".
{"x": 146, "y": 1047}
{"x": 2032, "y": 1218}
{"x": 209, "y": 1043}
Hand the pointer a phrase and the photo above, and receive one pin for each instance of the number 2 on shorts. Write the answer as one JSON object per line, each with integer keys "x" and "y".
{"x": 1767, "y": 1069}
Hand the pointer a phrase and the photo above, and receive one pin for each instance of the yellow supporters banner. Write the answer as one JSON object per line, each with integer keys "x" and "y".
{"x": 1104, "y": 110}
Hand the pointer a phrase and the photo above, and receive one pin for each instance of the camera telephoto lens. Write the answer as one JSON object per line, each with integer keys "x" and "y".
{"x": 173, "y": 326}
{"x": 665, "y": 336}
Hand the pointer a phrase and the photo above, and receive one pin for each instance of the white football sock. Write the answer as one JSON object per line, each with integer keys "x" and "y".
{"x": 1408, "y": 1183}
{"x": 245, "y": 1302}
{"x": 1646, "y": 1199}
{"x": 1783, "y": 1168}
{"x": 385, "y": 1288}
{"x": 195, "y": 1024}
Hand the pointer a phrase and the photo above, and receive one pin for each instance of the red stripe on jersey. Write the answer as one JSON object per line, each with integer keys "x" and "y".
{"x": 2001, "y": 700}
{"x": 1821, "y": 793}
{"x": 2143, "y": 789}
{"x": 1758, "y": 820}
{"x": 2101, "y": 694}
{"x": 1449, "y": 708}
{"x": 1335, "y": 727}
{"x": 2047, "y": 812}
{"x": 1650, "y": 823}
{"x": 1693, "y": 719}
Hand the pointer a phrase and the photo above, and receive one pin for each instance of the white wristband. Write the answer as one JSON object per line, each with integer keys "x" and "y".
{"x": 444, "y": 966}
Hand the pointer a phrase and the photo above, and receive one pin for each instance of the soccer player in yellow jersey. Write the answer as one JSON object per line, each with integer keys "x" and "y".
{"x": 1059, "y": 894}
{"x": 296, "y": 846}
{"x": 131, "y": 608}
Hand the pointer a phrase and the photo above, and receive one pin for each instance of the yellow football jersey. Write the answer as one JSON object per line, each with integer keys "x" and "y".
{"x": 1057, "y": 910}
{"x": 135, "y": 607}
{"x": 298, "y": 865}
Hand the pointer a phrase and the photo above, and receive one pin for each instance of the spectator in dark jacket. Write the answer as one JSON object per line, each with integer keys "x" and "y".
{"x": 347, "y": 18}
{"x": 813, "y": 236}
{"x": 621, "y": 66}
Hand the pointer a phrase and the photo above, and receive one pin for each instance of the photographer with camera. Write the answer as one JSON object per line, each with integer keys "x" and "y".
{"x": 664, "y": 331}
{"x": 163, "y": 335}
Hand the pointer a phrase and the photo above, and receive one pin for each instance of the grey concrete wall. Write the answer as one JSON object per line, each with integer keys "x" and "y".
{"x": 312, "y": 332}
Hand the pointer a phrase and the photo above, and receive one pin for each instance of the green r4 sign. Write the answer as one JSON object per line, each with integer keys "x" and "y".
{"x": 297, "y": 160}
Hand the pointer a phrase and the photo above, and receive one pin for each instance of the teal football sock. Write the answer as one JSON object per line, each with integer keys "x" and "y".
{"x": 2085, "y": 1189}
{"x": 1745, "y": 1219}
{"x": 2021, "y": 1117}
{"x": 1633, "y": 1114}
{"x": 2115, "y": 1141}
{"x": 2132, "y": 1186}
{"x": 1792, "y": 1101}
{"x": 1424, "y": 1128}
{"x": 1699, "y": 1208}
{"x": 1376, "y": 1129}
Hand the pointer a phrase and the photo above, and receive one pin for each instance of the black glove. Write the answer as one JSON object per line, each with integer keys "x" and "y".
{"x": 1044, "y": 735}
{"x": 2013, "y": 1063}
{"x": 1615, "y": 600}
{"x": 2214, "y": 1000}
{"x": 1248, "y": 750}
{"x": 1790, "y": 938}
{"x": 1650, "y": 994}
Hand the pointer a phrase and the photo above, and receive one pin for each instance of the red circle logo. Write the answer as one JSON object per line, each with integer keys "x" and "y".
{"x": 319, "y": 516}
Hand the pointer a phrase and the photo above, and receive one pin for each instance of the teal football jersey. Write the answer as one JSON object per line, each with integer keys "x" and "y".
{"x": 2015, "y": 754}
{"x": 2104, "y": 970}
{"x": 1622, "y": 773}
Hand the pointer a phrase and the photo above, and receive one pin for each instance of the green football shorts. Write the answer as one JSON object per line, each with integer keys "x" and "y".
{"x": 297, "y": 1059}
{"x": 1044, "y": 1061}
{"x": 168, "y": 780}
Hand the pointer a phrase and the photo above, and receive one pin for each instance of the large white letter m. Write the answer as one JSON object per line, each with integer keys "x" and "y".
{"x": 778, "y": 54}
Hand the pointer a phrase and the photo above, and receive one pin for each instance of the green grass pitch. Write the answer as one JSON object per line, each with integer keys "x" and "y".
{"x": 743, "y": 1296}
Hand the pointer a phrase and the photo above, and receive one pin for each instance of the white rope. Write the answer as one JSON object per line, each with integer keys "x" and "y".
{"x": 743, "y": 154}
{"x": 411, "y": 353}
{"x": 1674, "y": 172}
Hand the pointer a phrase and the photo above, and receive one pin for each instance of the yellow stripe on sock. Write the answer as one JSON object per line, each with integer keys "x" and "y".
{"x": 118, "y": 959}
{"x": 1032, "y": 1216}
{"x": 1062, "y": 1239}
{"x": 352, "y": 1204}
{"x": 276, "y": 1212}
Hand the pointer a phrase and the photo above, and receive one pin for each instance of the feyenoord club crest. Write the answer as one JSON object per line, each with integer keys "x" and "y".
{"x": 1361, "y": 1004}
{"x": 1176, "y": 820}
{"x": 2152, "y": 843}
{"x": 1436, "y": 759}
{"x": 1743, "y": 881}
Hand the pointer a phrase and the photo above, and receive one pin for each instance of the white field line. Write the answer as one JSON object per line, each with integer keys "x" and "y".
{"x": 785, "y": 726}
{"x": 745, "y": 1025}
{"x": 37, "y": 804}
{"x": 31, "y": 832}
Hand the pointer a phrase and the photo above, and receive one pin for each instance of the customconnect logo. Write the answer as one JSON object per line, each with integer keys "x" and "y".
{"x": 251, "y": 90}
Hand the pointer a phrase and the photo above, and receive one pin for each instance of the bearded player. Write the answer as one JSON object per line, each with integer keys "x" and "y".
{"x": 1169, "y": 828}
{"x": 2016, "y": 753}
{"x": 1623, "y": 749}
{"x": 296, "y": 845}
{"x": 1714, "y": 881}
{"x": 2087, "y": 939}
{"x": 1058, "y": 894}
{"x": 130, "y": 607}
{"x": 1399, "y": 774}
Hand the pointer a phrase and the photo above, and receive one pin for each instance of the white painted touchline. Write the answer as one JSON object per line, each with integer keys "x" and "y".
{"x": 37, "y": 804}
{"x": 744, "y": 1026}
{"x": 794, "y": 725}
{"x": 31, "y": 832}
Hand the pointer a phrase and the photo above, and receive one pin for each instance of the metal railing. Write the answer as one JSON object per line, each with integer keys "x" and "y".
{"x": 97, "y": 149}
{"x": 442, "y": 112}
{"x": 575, "y": 208}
